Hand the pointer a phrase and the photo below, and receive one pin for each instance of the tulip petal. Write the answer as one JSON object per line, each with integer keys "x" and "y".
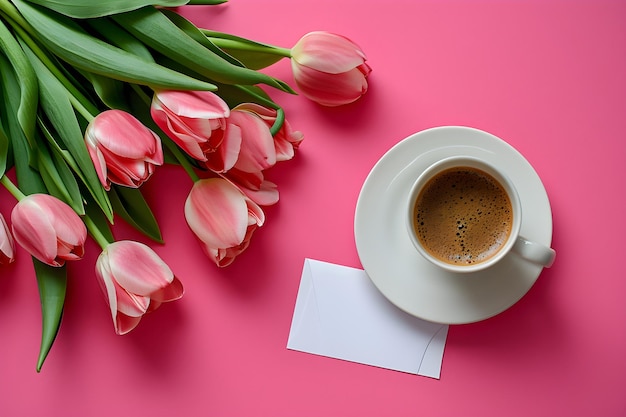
{"x": 137, "y": 268}
{"x": 124, "y": 323}
{"x": 34, "y": 231}
{"x": 266, "y": 195}
{"x": 267, "y": 114}
{"x": 173, "y": 291}
{"x": 107, "y": 285}
{"x": 69, "y": 228}
{"x": 130, "y": 173}
{"x": 118, "y": 298}
{"x": 69, "y": 252}
{"x": 225, "y": 157}
{"x": 7, "y": 245}
{"x": 327, "y": 52}
{"x": 256, "y": 217}
{"x": 330, "y": 90}
{"x": 196, "y": 123}
{"x": 254, "y": 186}
{"x": 194, "y": 104}
{"x": 226, "y": 256}
{"x": 257, "y": 145}
{"x": 123, "y": 135}
{"x": 286, "y": 140}
{"x": 211, "y": 252}
{"x": 98, "y": 161}
{"x": 5, "y": 259}
{"x": 180, "y": 133}
{"x": 216, "y": 211}
{"x": 129, "y": 304}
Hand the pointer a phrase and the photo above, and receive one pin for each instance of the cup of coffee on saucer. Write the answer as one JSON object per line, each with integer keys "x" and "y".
{"x": 464, "y": 215}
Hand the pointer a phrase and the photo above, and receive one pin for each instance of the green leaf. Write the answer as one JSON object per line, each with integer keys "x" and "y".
{"x": 58, "y": 176}
{"x": 6, "y": 160}
{"x": 65, "y": 74}
{"x": 27, "y": 80}
{"x": 66, "y": 39}
{"x": 158, "y": 32}
{"x": 196, "y": 34}
{"x": 52, "y": 283}
{"x": 117, "y": 36}
{"x": 29, "y": 180}
{"x": 64, "y": 153}
{"x": 83, "y": 9}
{"x": 58, "y": 108}
{"x": 131, "y": 206}
{"x": 110, "y": 91}
{"x": 4, "y": 150}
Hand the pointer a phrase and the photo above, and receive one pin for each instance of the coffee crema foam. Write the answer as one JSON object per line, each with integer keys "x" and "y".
{"x": 463, "y": 216}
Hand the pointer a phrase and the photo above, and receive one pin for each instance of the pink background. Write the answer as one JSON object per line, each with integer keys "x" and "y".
{"x": 549, "y": 77}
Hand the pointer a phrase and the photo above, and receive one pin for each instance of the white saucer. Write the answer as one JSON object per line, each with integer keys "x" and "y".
{"x": 396, "y": 268}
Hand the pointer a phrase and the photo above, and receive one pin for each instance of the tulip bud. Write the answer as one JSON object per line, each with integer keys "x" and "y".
{"x": 222, "y": 218}
{"x": 286, "y": 140}
{"x": 329, "y": 69}
{"x": 48, "y": 229}
{"x": 196, "y": 121}
{"x": 122, "y": 149}
{"x": 134, "y": 281}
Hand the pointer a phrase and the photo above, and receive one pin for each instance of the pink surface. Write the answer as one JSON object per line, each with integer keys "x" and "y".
{"x": 549, "y": 77}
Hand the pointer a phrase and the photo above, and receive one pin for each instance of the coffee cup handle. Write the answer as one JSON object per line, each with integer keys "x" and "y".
{"x": 534, "y": 252}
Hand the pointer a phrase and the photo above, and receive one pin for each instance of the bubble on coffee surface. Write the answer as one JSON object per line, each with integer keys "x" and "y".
{"x": 463, "y": 216}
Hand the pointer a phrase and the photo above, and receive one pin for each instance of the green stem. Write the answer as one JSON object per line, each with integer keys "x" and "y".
{"x": 12, "y": 188}
{"x": 78, "y": 105}
{"x": 278, "y": 123}
{"x": 7, "y": 8}
{"x": 182, "y": 160}
{"x": 232, "y": 44}
{"x": 142, "y": 94}
{"x": 96, "y": 233}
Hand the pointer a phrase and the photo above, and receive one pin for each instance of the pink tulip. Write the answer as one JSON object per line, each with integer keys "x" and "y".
{"x": 123, "y": 150}
{"x": 135, "y": 281}
{"x": 48, "y": 229}
{"x": 222, "y": 218}
{"x": 286, "y": 140}
{"x": 329, "y": 69}
{"x": 196, "y": 121}
{"x": 7, "y": 245}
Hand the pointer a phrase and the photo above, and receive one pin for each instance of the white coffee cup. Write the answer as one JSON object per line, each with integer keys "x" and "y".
{"x": 468, "y": 236}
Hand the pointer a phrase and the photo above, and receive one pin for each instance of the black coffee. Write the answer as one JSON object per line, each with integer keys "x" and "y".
{"x": 463, "y": 216}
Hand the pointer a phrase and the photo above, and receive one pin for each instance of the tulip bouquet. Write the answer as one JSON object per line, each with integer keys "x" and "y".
{"x": 95, "y": 96}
